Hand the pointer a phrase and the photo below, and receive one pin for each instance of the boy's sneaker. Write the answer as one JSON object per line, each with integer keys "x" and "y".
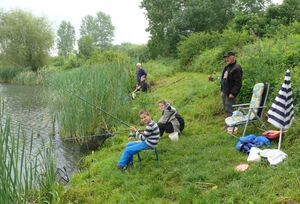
{"x": 133, "y": 95}
{"x": 121, "y": 168}
{"x": 130, "y": 165}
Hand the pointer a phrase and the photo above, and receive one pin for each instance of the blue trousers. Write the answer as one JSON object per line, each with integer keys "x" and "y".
{"x": 131, "y": 149}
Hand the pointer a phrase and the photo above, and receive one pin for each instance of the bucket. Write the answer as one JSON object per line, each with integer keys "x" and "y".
{"x": 174, "y": 136}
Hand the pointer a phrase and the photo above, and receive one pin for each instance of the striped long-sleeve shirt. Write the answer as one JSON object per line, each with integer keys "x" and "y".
{"x": 150, "y": 135}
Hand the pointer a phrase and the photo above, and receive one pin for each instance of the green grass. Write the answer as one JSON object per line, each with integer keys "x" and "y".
{"x": 197, "y": 169}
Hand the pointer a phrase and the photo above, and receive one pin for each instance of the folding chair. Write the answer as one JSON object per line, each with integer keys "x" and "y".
{"x": 253, "y": 113}
{"x": 156, "y": 156}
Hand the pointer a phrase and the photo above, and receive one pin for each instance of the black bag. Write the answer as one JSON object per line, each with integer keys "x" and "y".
{"x": 180, "y": 120}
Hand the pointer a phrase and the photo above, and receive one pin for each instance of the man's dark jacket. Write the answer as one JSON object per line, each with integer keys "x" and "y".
{"x": 233, "y": 83}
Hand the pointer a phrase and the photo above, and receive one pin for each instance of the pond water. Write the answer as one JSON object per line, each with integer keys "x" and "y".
{"x": 28, "y": 108}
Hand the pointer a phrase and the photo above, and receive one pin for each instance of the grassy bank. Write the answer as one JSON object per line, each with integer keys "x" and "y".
{"x": 199, "y": 168}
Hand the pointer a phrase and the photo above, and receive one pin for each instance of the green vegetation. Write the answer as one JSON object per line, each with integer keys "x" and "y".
{"x": 105, "y": 87}
{"x": 99, "y": 28}
{"x": 197, "y": 169}
{"x": 26, "y": 176}
{"x": 25, "y": 40}
{"x": 9, "y": 73}
{"x": 66, "y": 39}
{"x": 187, "y": 41}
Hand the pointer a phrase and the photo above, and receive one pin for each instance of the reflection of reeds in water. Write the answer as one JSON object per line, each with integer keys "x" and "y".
{"x": 106, "y": 87}
{"x": 25, "y": 177}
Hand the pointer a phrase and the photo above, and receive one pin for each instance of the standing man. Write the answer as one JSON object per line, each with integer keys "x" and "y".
{"x": 231, "y": 82}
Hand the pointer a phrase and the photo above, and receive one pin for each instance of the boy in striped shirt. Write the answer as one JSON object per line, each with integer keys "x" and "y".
{"x": 148, "y": 139}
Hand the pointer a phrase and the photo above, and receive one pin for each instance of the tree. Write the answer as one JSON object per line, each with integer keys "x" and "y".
{"x": 25, "y": 40}
{"x": 66, "y": 39}
{"x": 161, "y": 17}
{"x": 85, "y": 46}
{"x": 251, "y": 6}
{"x": 100, "y": 29}
{"x": 172, "y": 20}
{"x": 286, "y": 13}
{"x": 265, "y": 22}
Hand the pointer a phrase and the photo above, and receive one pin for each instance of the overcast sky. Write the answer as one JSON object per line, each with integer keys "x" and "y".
{"x": 126, "y": 15}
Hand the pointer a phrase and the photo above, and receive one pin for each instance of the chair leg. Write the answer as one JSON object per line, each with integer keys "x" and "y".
{"x": 262, "y": 124}
{"x": 157, "y": 157}
{"x": 245, "y": 128}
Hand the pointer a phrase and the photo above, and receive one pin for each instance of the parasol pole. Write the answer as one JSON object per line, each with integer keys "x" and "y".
{"x": 280, "y": 138}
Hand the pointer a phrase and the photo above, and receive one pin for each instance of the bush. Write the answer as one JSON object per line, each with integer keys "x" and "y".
{"x": 231, "y": 40}
{"x": 160, "y": 69}
{"x": 108, "y": 57}
{"x": 73, "y": 62}
{"x": 139, "y": 53}
{"x": 58, "y": 61}
{"x": 209, "y": 61}
{"x": 28, "y": 78}
{"x": 7, "y": 74}
{"x": 195, "y": 50}
{"x": 267, "y": 61}
{"x": 194, "y": 45}
{"x": 283, "y": 31}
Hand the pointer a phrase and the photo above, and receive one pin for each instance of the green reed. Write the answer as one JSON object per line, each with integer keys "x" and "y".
{"x": 25, "y": 176}
{"x": 104, "y": 86}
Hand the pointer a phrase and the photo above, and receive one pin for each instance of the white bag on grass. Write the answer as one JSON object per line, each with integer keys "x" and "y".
{"x": 254, "y": 155}
{"x": 274, "y": 156}
{"x": 174, "y": 136}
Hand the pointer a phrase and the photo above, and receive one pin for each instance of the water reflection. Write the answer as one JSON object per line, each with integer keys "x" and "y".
{"x": 27, "y": 107}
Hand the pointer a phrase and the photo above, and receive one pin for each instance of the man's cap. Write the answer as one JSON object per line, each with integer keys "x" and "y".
{"x": 230, "y": 53}
{"x": 138, "y": 64}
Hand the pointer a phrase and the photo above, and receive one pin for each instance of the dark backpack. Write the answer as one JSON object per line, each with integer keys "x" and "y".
{"x": 180, "y": 120}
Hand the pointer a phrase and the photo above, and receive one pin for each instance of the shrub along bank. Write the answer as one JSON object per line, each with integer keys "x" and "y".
{"x": 264, "y": 60}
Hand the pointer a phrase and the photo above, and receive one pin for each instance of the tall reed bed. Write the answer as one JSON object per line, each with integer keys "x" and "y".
{"x": 106, "y": 87}
{"x": 7, "y": 74}
{"x": 25, "y": 176}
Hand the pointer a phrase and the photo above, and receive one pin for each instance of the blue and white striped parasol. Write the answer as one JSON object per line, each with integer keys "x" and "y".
{"x": 281, "y": 113}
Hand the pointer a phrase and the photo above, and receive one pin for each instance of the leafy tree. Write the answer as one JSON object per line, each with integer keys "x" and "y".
{"x": 254, "y": 23}
{"x": 140, "y": 53}
{"x": 85, "y": 46}
{"x": 66, "y": 39}
{"x": 172, "y": 20}
{"x": 266, "y": 22}
{"x": 163, "y": 18}
{"x": 251, "y": 6}
{"x": 100, "y": 29}
{"x": 286, "y": 13}
{"x": 25, "y": 40}
{"x": 195, "y": 44}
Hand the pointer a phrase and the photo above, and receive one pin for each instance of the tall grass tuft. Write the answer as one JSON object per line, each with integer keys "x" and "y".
{"x": 104, "y": 86}
{"x": 26, "y": 176}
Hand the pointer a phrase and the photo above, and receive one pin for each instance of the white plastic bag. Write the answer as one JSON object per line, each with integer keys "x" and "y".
{"x": 274, "y": 156}
{"x": 174, "y": 136}
{"x": 254, "y": 155}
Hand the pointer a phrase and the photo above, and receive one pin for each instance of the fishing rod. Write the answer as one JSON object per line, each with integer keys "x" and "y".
{"x": 89, "y": 103}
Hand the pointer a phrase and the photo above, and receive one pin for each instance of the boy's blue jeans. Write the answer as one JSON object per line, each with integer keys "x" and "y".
{"x": 131, "y": 149}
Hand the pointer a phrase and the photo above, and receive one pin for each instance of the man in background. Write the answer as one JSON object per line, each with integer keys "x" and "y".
{"x": 231, "y": 82}
{"x": 141, "y": 83}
